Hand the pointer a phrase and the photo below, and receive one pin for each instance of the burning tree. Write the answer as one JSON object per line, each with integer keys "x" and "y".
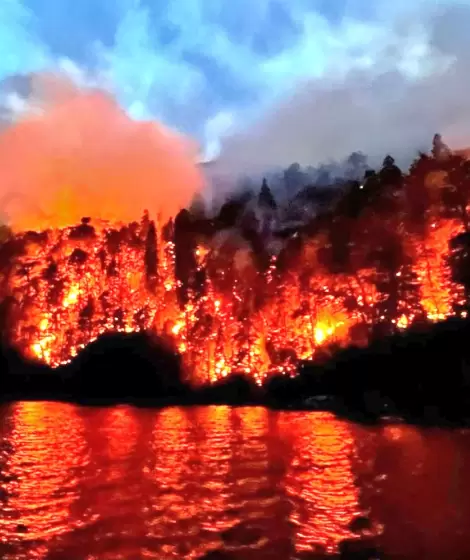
{"x": 391, "y": 250}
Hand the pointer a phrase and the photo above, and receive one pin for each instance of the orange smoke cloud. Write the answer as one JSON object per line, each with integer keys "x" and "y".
{"x": 84, "y": 156}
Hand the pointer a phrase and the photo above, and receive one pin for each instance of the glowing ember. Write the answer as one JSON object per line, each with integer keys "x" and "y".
{"x": 227, "y": 306}
{"x": 71, "y": 291}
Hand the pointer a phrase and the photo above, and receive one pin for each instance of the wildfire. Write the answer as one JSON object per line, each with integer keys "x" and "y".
{"x": 436, "y": 289}
{"x": 225, "y": 305}
{"x": 71, "y": 290}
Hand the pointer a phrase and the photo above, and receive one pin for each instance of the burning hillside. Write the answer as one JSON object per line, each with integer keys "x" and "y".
{"x": 376, "y": 263}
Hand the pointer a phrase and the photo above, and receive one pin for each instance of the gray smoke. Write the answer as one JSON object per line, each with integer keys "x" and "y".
{"x": 386, "y": 108}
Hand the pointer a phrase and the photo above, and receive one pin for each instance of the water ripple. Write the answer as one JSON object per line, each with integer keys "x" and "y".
{"x": 218, "y": 482}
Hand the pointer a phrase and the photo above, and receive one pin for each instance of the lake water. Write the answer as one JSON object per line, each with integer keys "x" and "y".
{"x": 115, "y": 483}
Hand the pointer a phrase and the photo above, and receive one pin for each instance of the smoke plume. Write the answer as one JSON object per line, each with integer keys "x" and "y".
{"x": 260, "y": 84}
{"x": 415, "y": 85}
{"x": 77, "y": 153}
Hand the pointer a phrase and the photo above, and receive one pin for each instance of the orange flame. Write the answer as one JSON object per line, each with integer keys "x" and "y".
{"x": 84, "y": 157}
{"x": 291, "y": 324}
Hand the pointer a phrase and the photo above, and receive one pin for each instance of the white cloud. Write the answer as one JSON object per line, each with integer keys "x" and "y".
{"x": 415, "y": 84}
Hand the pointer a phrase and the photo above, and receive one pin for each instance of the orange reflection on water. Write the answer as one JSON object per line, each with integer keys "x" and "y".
{"x": 41, "y": 475}
{"x": 210, "y": 468}
{"x": 167, "y": 527}
{"x": 242, "y": 506}
{"x": 213, "y": 462}
{"x": 120, "y": 427}
{"x": 251, "y": 484}
{"x": 320, "y": 481}
{"x": 116, "y": 490}
{"x": 422, "y": 499}
{"x": 213, "y": 497}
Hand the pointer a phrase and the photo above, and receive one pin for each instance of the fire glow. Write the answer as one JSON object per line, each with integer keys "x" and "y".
{"x": 69, "y": 284}
{"x": 70, "y": 291}
{"x": 82, "y": 155}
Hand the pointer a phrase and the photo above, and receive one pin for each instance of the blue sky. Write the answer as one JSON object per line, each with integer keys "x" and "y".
{"x": 207, "y": 67}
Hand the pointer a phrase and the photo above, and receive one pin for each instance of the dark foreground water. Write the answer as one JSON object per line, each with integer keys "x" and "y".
{"x": 79, "y": 483}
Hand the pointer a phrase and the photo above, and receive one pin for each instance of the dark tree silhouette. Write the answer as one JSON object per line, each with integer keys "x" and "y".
{"x": 230, "y": 213}
{"x": 151, "y": 256}
{"x": 440, "y": 150}
{"x": 83, "y": 231}
{"x": 459, "y": 262}
{"x": 266, "y": 198}
{"x": 456, "y": 191}
{"x": 186, "y": 267}
{"x": 390, "y": 174}
{"x": 418, "y": 195}
{"x": 294, "y": 179}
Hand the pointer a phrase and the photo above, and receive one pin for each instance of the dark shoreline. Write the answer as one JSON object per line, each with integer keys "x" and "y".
{"x": 421, "y": 376}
